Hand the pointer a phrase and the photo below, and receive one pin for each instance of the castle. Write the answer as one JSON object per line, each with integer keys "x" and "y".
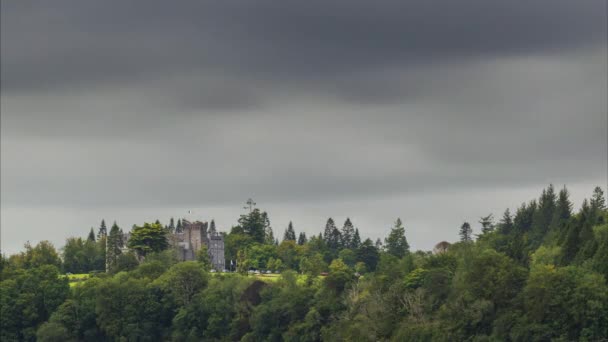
{"x": 193, "y": 236}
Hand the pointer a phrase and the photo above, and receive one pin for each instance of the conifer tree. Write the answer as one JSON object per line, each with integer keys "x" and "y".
{"x": 378, "y": 244}
{"x": 506, "y": 223}
{"x": 254, "y": 224}
{"x": 302, "y": 239}
{"x": 487, "y": 224}
{"x": 114, "y": 247}
{"x": 348, "y": 232}
{"x": 269, "y": 236}
{"x": 332, "y": 235}
{"x": 91, "y": 236}
{"x": 598, "y": 201}
{"x": 179, "y": 228}
{"x": 466, "y": 233}
{"x": 171, "y": 226}
{"x": 356, "y": 239}
{"x": 543, "y": 216}
{"x": 329, "y": 227}
{"x": 290, "y": 234}
{"x": 103, "y": 231}
{"x": 396, "y": 242}
{"x": 563, "y": 210}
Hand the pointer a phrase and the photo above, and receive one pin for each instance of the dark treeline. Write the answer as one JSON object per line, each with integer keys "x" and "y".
{"x": 536, "y": 274}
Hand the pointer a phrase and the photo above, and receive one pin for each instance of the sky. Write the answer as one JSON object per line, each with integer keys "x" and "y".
{"x": 437, "y": 112}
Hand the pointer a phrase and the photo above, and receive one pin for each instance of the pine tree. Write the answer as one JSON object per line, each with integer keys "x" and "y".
{"x": 91, "y": 236}
{"x": 171, "y": 226}
{"x": 378, "y": 244}
{"x": 563, "y": 210}
{"x": 571, "y": 243}
{"x": 598, "y": 201}
{"x": 254, "y": 224}
{"x": 356, "y": 239}
{"x": 179, "y": 228}
{"x": 157, "y": 221}
{"x": 114, "y": 246}
{"x": 302, "y": 239}
{"x": 506, "y": 223}
{"x": 487, "y": 224}
{"x": 466, "y": 233}
{"x": 103, "y": 231}
{"x": 268, "y": 232}
{"x": 396, "y": 242}
{"x": 348, "y": 232}
{"x": 290, "y": 233}
{"x": 332, "y": 235}
{"x": 329, "y": 227}
{"x": 543, "y": 216}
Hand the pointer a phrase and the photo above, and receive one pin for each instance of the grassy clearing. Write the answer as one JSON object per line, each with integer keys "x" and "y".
{"x": 75, "y": 279}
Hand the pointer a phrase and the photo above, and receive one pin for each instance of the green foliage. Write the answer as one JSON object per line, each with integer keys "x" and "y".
{"x": 396, "y": 243}
{"x": 567, "y": 303}
{"x": 290, "y": 233}
{"x": 254, "y": 225}
{"x": 183, "y": 281}
{"x": 149, "y": 238}
{"x": 538, "y": 276}
{"x": 202, "y": 256}
{"x": 466, "y": 233}
{"x": 114, "y": 247}
{"x": 28, "y": 299}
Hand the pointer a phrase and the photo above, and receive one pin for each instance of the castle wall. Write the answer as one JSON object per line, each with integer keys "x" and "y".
{"x": 193, "y": 237}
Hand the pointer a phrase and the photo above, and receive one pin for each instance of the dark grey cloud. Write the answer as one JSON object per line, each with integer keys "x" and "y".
{"x": 74, "y": 44}
{"x": 314, "y": 108}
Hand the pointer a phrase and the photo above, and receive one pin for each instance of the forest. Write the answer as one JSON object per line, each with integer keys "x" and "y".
{"x": 537, "y": 273}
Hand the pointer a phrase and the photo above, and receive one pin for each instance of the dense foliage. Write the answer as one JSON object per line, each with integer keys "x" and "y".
{"x": 537, "y": 275}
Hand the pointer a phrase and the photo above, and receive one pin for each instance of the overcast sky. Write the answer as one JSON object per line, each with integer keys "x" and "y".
{"x": 433, "y": 111}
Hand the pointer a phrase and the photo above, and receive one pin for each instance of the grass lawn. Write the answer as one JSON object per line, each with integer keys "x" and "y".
{"x": 77, "y": 278}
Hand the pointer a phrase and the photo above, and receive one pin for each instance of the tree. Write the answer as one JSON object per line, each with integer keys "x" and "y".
{"x": 183, "y": 280}
{"x": 348, "y": 232}
{"x": 506, "y": 223}
{"x": 44, "y": 253}
{"x": 150, "y": 237}
{"x": 288, "y": 253}
{"x": 356, "y": 239}
{"x": 103, "y": 231}
{"x": 302, "y": 239}
{"x": 269, "y": 239}
{"x": 179, "y": 228}
{"x": 329, "y": 227}
{"x": 598, "y": 201}
{"x": 487, "y": 224}
{"x": 396, "y": 243}
{"x": 466, "y": 232}
{"x": 348, "y": 256}
{"x": 52, "y": 332}
{"x": 290, "y": 234}
{"x": 254, "y": 224}
{"x": 563, "y": 210}
{"x": 171, "y": 226}
{"x": 114, "y": 246}
{"x": 340, "y": 275}
{"x": 332, "y": 235}
{"x": 91, "y": 236}
{"x": 368, "y": 253}
{"x": 313, "y": 265}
